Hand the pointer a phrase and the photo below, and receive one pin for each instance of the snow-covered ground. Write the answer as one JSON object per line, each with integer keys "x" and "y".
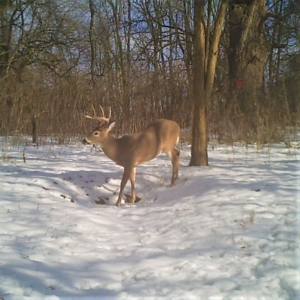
{"x": 227, "y": 231}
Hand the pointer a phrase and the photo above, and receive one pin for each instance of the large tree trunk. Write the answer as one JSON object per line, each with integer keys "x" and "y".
{"x": 206, "y": 50}
{"x": 199, "y": 133}
{"x": 247, "y": 52}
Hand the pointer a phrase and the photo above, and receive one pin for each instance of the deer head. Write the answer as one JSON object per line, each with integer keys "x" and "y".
{"x": 99, "y": 134}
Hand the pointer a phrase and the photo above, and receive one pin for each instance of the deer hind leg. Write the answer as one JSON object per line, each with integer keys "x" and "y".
{"x": 132, "y": 180}
{"x": 174, "y": 155}
{"x": 126, "y": 175}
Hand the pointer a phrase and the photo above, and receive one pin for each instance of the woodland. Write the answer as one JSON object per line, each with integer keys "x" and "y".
{"x": 223, "y": 69}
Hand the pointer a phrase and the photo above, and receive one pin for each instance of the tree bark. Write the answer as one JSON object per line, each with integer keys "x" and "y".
{"x": 5, "y": 37}
{"x": 92, "y": 40}
{"x": 204, "y": 66}
{"x": 34, "y": 129}
{"x": 248, "y": 51}
{"x": 199, "y": 132}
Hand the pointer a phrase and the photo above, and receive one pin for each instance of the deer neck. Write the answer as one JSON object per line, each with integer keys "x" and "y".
{"x": 111, "y": 147}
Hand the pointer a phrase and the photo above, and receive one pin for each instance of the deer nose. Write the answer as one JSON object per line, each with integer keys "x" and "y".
{"x": 85, "y": 142}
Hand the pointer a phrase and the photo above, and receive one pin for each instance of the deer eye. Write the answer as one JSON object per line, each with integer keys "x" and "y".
{"x": 96, "y": 133}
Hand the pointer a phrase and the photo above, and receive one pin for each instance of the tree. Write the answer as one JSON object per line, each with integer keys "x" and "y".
{"x": 92, "y": 39}
{"x": 6, "y": 25}
{"x": 149, "y": 59}
{"x": 248, "y": 50}
{"x": 36, "y": 33}
{"x": 283, "y": 67}
{"x": 206, "y": 50}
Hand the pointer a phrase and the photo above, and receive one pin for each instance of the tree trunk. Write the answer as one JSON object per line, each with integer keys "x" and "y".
{"x": 199, "y": 133}
{"x": 248, "y": 52}
{"x": 34, "y": 129}
{"x": 206, "y": 50}
{"x": 92, "y": 40}
{"x": 5, "y": 37}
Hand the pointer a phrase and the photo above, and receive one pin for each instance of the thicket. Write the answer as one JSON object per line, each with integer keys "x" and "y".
{"x": 58, "y": 58}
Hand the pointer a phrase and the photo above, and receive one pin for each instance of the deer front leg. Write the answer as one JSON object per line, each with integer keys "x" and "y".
{"x": 126, "y": 175}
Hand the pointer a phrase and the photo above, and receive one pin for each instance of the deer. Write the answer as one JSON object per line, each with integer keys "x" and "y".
{"x": 129, "y": 151}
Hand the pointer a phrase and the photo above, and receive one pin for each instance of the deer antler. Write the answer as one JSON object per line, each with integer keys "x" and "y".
{"x": 103, "y": 118}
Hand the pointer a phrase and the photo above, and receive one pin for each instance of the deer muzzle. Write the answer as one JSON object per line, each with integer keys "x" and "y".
{"x": 85, "y": 142}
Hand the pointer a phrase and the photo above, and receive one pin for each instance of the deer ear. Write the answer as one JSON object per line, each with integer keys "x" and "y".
{"x": 111, "y": 126}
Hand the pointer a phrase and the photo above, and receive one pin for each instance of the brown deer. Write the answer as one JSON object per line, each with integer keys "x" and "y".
{"x": 132, "y": 150}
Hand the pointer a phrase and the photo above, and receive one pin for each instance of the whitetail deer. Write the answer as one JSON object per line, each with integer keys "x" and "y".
{"x": 130, "y": 151}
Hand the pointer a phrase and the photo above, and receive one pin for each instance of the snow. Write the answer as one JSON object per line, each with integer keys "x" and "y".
{"x": 227, "y": 231}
